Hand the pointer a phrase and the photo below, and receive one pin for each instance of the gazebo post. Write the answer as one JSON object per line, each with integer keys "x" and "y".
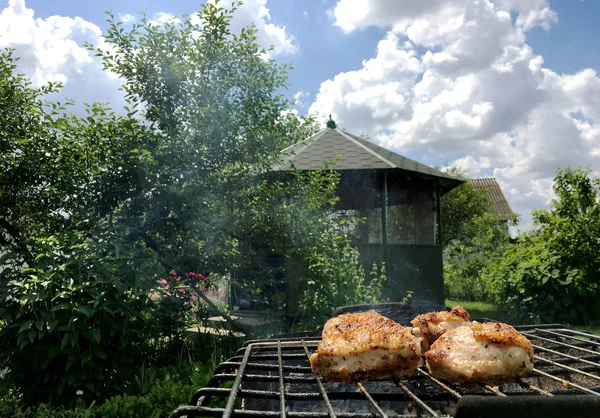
{"x": 438, "y": 207}
{"x": 384, "y": 236}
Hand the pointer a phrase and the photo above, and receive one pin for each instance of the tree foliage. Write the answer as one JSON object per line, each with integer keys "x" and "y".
{"x": 551, "y": 274}
{"x": 95, "y": 209}
{"x": 72, "y": 293}
{"x": 473, "y": 237}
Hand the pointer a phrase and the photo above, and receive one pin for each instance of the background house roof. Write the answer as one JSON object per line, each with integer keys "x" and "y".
{"x": 344, "y": 151}
{"x": 497, "y": 199}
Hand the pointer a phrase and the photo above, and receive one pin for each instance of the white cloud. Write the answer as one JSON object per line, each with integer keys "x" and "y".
{"x": 299, "y": 97}
{"x": 475, "y": 92}
{"x": 305, "y": 14}
{"x": 269, "y": 34}
{"x": 51, "y": 50}
{"x": 162, "y": 18}
{"x": 125, "y": 18}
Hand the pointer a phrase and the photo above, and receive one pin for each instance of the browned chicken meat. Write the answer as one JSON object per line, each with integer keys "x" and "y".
{"x": 362, "y": 346}
{"x": 432, "y": 325}
{"x": 491, "y": 353}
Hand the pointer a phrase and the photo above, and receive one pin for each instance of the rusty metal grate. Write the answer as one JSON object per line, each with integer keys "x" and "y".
{"x": 272, "y": 378}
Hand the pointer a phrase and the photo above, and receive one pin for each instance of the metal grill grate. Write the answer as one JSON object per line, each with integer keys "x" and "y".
{"x": 272, "y": 378}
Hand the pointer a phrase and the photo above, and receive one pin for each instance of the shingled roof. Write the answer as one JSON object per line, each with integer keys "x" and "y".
{"x": 497, "y": 199}
{"x": 345, "y": 151}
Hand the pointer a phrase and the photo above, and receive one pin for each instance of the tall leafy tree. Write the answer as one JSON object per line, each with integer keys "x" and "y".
{"x": 95, "y": 209}
{"x": 211, "y": 99}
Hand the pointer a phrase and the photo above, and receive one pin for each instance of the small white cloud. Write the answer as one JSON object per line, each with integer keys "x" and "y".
{"x": 125, "y": 18}
{"x": 305, "y": 14}
{"x": 298, "y": 97}
{"x": 162, "y": 18}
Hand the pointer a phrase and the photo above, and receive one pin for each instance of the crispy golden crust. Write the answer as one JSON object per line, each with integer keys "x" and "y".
{"x": 433, "y": 324}
{"x": 501, "y": 334}
{"x": 355, "y": 333}
{"x": 364, "y": 346}
{"x": 490, "y": 353}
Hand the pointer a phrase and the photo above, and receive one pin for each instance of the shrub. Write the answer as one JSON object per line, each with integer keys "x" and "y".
{"x": 551, "y": 274}
{"x": 466, "y": 259}
{"x": 79, "y": 320}
{"x": 334, "y": 277}
{"x": 170, "y": 387}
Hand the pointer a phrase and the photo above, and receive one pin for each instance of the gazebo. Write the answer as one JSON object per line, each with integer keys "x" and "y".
{"x": 398, "y": 197}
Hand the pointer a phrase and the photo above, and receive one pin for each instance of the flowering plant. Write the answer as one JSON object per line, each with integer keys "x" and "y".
{"x": 183, "y": 288}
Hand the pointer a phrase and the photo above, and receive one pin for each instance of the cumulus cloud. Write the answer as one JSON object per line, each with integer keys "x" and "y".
{"x": 51, "y": 50}
{"x": 457, "y": 80}
{"x": 162, "y": 18}
{"x": 128, "y": 17}
{"x": 269, "y": 34}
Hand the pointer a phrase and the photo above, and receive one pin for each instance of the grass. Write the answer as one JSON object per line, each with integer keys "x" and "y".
{"x": 594, "y": 329}
{"x": 480, "y": 310}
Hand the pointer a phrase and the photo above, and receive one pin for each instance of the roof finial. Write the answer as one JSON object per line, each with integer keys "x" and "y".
{"x": 331, "y": 123}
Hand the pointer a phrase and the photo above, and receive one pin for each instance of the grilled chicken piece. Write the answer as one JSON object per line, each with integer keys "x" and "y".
{"x": 490, "y": 352}
{"x": 432, "y": 325}
{"x": 363, "y": 346}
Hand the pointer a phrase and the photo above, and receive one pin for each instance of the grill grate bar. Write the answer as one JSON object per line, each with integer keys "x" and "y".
{"x": 370, "y": 398}
{"x": 590, "y": 375}
{"x": 529, "y": 386}
{"x": 440, "y": 384}
{"x": 189, "y": 411}
{"x": 236, "y": 384}
{"x": 320, "y": 384}
{"x": 590, "y": 342}
{"x": 574, "y": 347}
{"x": 566, "y": 383}
{"x": 265, "y": 366}
{"x": 565, "y": 355}
{"x": 417, "y": 399}
{"x": 228, "y": 377}
{"x": 494, "y": 390}
{"x": 281, "y": 385}
{"x": 585, "y": 334}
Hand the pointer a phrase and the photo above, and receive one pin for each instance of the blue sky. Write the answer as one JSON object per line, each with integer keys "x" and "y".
{"x": 324, "y": 50}
{"x": 502, "y": 88}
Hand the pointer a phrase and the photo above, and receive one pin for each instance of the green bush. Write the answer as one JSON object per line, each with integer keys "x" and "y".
{"x": 334, "y": 277}
{"x": 551, "y": 274}
{"x": 79, "y": 320}
{"x": 465, "y": 260}
{"x": 169, "y": 388}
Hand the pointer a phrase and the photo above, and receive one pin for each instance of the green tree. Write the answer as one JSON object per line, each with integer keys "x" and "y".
{"x": 95, "y": 209}
{"x": 212, "y": 98}
{"x": 551, "y": 274}
{"x": 71, "y": 292}
{"x": 212, "y": 101}
{"x": 473, "y": 237}
{"x": 460, "y": 207}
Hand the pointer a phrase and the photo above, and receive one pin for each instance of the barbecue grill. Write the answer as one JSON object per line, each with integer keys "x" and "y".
{"x": 272, "y": 378}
